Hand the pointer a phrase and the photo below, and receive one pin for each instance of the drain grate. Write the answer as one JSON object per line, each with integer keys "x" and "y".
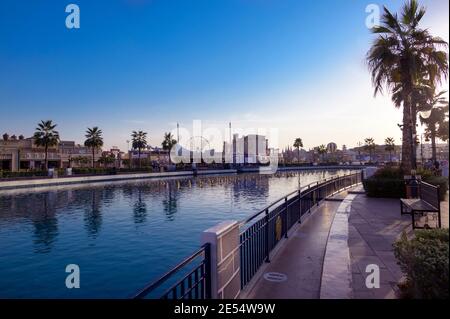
{"x": 275, "y": 277}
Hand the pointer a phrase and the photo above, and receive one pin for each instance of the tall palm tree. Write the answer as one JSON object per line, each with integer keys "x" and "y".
{"x": 435, "y": 118}
{"x": 389, "y": 146}
{"x": 322, "y": 150}
{"x": 369, "y": 146}
{"x": 46, "y": 136}
{"x": 94, "y": 141}
{"x": 400, "y": 58}
{"x": 139, "y": 142}
{"x": 168, "y": 143}
{"x": 297, "y": 144}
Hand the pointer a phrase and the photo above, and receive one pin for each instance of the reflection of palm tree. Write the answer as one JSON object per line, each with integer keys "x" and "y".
{"x": 45, "y": 228}
{"x": 140, "y": 210}
{"x": 93, "y": 216}
{"x": 170, "y": 204}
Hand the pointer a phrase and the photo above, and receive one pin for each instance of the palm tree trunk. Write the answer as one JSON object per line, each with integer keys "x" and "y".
{"x": 139, "y": 157}
{"x": 298, "y": 155}
{"x": 390, "y": 156}
{"x": 46, "y": 158}
{"x": 406, "y": 139}
{"x": 93, "y": 157}
{"x": 433, "y": 144}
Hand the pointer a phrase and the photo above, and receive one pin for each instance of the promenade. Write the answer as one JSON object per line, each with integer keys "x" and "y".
{"x": 327, "y": 256}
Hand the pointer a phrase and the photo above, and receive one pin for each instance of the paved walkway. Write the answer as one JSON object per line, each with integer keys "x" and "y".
{"x": 374, "y": 225}
{"x": 300, "y": 259}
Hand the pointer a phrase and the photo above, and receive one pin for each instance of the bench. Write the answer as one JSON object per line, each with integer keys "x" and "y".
{"x": 428, "y": 202}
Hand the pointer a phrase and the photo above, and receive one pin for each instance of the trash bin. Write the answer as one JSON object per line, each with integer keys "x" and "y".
{"x": 412, "y": 186}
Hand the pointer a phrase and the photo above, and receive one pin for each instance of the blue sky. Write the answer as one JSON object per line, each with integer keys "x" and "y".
{"x": 146, "y": 64}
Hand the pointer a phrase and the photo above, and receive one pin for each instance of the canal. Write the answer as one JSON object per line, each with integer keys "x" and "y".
{"x": 121, "y": 234}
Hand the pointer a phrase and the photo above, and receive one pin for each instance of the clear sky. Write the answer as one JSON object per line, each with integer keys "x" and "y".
{"x": 146, "y": 64}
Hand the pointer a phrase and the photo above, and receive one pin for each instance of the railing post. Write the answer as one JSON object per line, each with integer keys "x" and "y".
{"x": 207, "y": 262}
{"x": 287, "y": 217}
{"x": 317, "y": 193}
{"x": 266, "y": 217}
{"x": 300, "y": 206}
{"x": 224, "y": 260}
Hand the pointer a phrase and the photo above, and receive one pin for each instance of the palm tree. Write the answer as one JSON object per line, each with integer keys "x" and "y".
{"x": 297, "y": 144}
{"x": 45, "y": 136}
{"x": 389, "y": 146}
{"x": 436, "y": 117}
{"x": 139, "y": 141}
{"x": 168, "y": 143}
{"x": 322, "y": 150}
{"x": 94, "y": 141}
{"x": 402, "y": 56}
{"x": 369, "y": 146}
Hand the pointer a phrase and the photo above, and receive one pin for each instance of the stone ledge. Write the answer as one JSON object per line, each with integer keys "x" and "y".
{"x": 336, "y": 273}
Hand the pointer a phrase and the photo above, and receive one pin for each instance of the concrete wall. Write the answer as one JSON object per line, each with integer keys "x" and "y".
{"x": 225, "y": 259}
{"x": 85, "y": 179}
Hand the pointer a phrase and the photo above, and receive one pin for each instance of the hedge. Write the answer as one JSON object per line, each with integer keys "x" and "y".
{"x": 389, "y": 182}
{"x": 425, "y": 262}
{"x": 384, "y": 187}
{"x": 9, "y": 174}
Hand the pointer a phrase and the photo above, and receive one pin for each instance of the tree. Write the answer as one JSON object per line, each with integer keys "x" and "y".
{"x": 401, "y": 57}
{"x": 435, "y": 119}
{"x": 369, "y": 146}
{"x": 139, "y": 142}
{"x": 107, "y": 159}
{"x": 322, "y": 150}
{"x": 46, "y": 136}
{"x": 389, "y": 146}
{"x": 168, "y": 143}
{"x": 94, "y": 141}
{"x": 297, "y": 144}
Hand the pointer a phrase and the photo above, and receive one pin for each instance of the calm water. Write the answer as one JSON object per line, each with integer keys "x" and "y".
{"x": 121, "y": 234}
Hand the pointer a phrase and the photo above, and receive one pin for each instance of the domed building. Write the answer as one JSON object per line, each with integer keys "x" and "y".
{"x": 331, "y": 147}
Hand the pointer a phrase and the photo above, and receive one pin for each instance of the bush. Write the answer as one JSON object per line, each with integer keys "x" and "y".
{"x": 389, "y": 173}
{"x": 424, "y": 260}
{"x": 9, "y": 174}
{"x": 389, "y": 182}
{"x": 384, "y": 187}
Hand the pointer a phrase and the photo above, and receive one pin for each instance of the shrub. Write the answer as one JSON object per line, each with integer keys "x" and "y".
{"x": 384, "y": 187}
{"x": 424, "y": 260}
{"x": 9, "y": 174}
{"x": 389, "y": 182}
{"x": 390, "y": 173}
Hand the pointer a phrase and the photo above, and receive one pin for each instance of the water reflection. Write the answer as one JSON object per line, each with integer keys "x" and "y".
{"x": 139, "y": 210}
{"x": 93, "y": 213}
{"x": 45, "y": 224}
{"x": 95, "y": 225}
{"x": 170, "y": 201}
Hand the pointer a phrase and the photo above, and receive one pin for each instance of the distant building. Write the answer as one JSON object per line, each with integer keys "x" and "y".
{"x": 331, "y": 147}
{"x": 150, "y": 156}
{"x": 22, "y": 153}
{"x": 248, "y": 149}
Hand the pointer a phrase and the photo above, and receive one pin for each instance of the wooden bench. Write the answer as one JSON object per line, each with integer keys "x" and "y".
{"x": 428, "y": 202}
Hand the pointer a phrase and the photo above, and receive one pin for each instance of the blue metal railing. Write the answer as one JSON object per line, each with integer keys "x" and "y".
{"x": 195, "y": 284}
{"x": 262, "y": 231}
{"x": 260, "y": 234}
